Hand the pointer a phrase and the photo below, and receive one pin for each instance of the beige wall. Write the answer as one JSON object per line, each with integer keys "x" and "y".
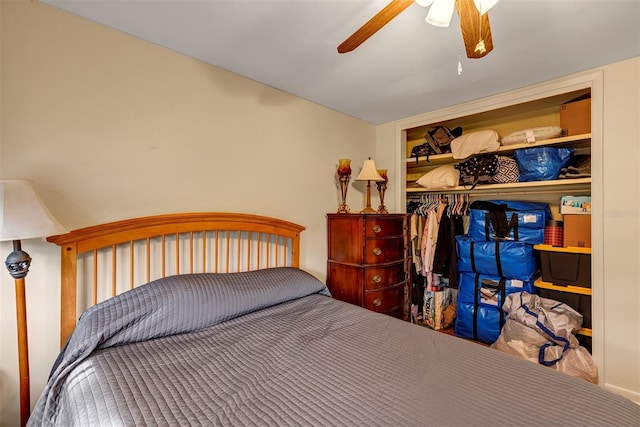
{"x": 621, "y": 227}
{"x": 111, "y": 127}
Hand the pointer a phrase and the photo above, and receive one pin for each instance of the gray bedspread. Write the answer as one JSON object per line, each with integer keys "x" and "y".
{"x": 271, "y": 348}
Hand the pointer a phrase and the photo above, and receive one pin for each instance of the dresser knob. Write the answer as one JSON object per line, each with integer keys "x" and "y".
{"x": 376, "y": 228}
{"x": 377, "y": 278}
{"x": 377, "y": 251}
{"x": 377, "y": 302}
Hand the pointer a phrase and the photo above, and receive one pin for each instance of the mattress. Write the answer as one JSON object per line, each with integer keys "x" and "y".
{"x": 272, "y": 348}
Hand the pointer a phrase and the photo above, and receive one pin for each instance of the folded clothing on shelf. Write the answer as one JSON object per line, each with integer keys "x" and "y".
{"x": 579, "y": 167}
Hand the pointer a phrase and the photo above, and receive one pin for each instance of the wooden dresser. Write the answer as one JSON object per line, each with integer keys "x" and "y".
{"x": 367, "y": 261}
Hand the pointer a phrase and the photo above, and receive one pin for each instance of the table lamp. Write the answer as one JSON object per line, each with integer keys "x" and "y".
{"x": 369, "y": 173}
{"x": 22, "y": 216}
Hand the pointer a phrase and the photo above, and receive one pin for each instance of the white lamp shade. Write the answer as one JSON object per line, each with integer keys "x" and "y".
{"x": 441, "y": 12}
{"x": 22, "y": 213}
{"x": 424, "y": 3}
{"x": 483, "y": 6}
{"x": 369, "y": 172}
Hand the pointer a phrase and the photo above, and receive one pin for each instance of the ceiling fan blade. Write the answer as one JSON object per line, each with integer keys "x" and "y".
{"x": 381, "y": 19}
{"x": 476, "y": 31}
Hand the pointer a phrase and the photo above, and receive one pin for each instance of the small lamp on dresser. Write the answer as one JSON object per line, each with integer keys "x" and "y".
{"x": 22, "y": 216}
{"x": 369, "y": 173}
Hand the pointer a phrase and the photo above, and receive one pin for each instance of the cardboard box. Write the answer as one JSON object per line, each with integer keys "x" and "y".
{"x": 577, "y": 231}
{"x": 575, "y": 205}
{"x": 575, "y": 117}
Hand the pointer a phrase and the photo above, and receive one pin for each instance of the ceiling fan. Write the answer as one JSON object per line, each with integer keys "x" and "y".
{"x": 474, "y": 23}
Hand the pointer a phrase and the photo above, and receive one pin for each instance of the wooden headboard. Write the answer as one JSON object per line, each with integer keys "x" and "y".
{"x": 102, "y": 261}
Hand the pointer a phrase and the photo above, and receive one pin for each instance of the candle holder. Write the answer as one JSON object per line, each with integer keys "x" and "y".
{"x": 344, "y": 176}
{"x": 382, "y": 187}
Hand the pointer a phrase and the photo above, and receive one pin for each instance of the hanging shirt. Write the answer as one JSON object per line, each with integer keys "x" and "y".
{"x": 415, "y": 241}
{"x": 430, "y": 240}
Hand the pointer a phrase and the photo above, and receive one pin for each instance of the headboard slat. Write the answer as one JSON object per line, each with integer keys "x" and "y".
{"x": 239, "y": 229}
{"x": 204, "y": 250}
{"x": 114, "y": 268}
{"x": 163, "y": 259}
{"x": 177, "y": 253}
{"x": 215, "y": 257}
{"x": 131, "y": 265}
{"x": 148, "y": 260}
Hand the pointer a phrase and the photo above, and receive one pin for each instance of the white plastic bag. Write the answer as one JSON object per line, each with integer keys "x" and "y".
{"x": 541, "y": 330}
{"x": 521, "y": 341}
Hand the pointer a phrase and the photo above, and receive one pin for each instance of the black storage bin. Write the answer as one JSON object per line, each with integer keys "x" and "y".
{"x": 585, "y": 341}
{"x": 566, "y": 268}
{"x": 580, "y": 303}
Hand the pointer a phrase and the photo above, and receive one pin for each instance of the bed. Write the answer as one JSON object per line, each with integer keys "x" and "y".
{"x": 208, "y": 320}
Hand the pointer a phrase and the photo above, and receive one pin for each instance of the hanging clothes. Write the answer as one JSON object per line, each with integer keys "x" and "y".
{"x": 433, "y": 209}
{"x": 435, "y": 221}
{"x": 429, "y": 243}
{"x": 444, "y": 259}
{"x": 415, "y": 241}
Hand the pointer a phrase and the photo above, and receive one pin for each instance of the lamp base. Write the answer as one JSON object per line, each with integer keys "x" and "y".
{"x": 368, "y": 210}
{"x": 18, "y": 263}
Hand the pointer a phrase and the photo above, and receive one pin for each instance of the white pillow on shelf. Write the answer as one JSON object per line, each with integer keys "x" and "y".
{"x": 532, "y": 135}
{"x": 442, "y": 177}
{"x": 481, "y": 141}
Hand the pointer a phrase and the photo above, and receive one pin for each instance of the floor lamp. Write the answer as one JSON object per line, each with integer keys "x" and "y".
{"x": 22, "y": 216}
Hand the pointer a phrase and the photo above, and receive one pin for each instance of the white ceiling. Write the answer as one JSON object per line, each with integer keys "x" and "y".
{"x": 408, "y": 67}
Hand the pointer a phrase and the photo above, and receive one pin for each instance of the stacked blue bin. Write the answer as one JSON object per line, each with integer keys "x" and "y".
{"x": 494, "y": 259}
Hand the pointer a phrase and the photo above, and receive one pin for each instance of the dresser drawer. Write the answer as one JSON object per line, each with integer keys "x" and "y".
{"x": 378, "y": 251}
{"x": 385, "y": 301}
{"x": 383, "y": 227}
{"x": 384, "y": 277}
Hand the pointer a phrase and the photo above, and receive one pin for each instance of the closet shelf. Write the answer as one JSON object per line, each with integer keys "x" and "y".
{"x": 581, "y": 290}
{"x": 558, "y": 185}
{"x": 587, "y": 332}
{"x": 440, "y": 159}
{"x": 569, "y": 250}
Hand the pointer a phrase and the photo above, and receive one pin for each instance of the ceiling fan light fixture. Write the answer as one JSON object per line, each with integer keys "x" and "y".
{"x": 424, "y": 3}
{"x": 483, "y": 6}
{"x": 441, "y": 12}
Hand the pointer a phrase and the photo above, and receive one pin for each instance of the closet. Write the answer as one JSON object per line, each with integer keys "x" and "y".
{"x": 536, "y": 106}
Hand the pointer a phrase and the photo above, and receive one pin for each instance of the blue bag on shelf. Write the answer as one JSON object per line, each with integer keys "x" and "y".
{"x": 478, "y": 322}
{"x": 485, "y": 289}
{"x": 527, "y": 226}
{"x": 542, "y": 163}
{"x": 505, "y": 259}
